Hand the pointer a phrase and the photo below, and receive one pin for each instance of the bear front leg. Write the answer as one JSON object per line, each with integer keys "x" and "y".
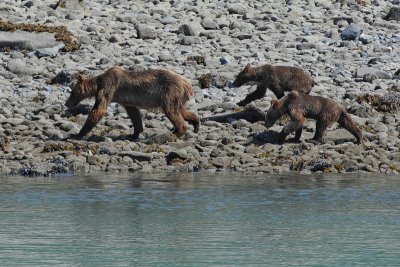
{"x": 296, "y": 138}
{"x": 136, "y": 118}
{"x": 257, "y": 94}
{"x": 294, "y": 125}
{"x": 95, "y": 115}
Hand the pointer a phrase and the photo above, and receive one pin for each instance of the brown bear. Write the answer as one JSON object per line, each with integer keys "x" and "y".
{"x": 150, "y": 89}
{"x": 299, "y": 106}
{"x": 277, "y": 78}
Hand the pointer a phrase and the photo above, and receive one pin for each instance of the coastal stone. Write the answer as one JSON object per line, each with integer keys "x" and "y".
{"x": 168, "y": 20}
{"x": 146, "y": 32}
{"x": 49, "y": 52}
{"x": 367, "y": 72}
{"x": 222, "y": 22}
{"x": 191, "y": 29}
{"x": 225, "y": 60}
{"x": 27, "y": 40}
{"x": 366, "y": 39}
{"x": 209, "y": 24}
{"x": 63, "y": 77}
{"x": 237, "y": 9}
{"x": 115, "y": 38}
{"x": 351, "y": 32}
{"x": 394, "y": 14}
{"x": 321, "y": 165}
{"x": 306, "y": 46}
{"x": 220, "y": 162}
{"x": 19, "y": 66}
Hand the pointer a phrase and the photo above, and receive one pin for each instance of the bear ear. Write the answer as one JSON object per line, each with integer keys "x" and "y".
{"x": 79, "y": 78}
{"x": 293, "y": 94}
{"x": 247, "y": 67}
{"x": 274, "y": 103}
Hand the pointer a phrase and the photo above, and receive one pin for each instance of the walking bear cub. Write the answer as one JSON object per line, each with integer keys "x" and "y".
{"x": 149, "y": 89}
{"x": 277, "y": 78}
{"x": 300, "y": 106}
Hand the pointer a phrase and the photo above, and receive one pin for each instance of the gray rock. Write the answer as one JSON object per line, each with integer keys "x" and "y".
{"x": 237, "y": 9}
{"x": 115, "y": 38}
{"x": 105, "y": 150}
{"x": 191, "y": 40}
{"x": 27, "y": 40}
{"x": 168, "y": 20}
{"x": 225, "y": 60}
{"x": 361, "y": 72}
{"x": 209, "y": 24}
{"x": 321, "y": 165}
{"x": 349, "y": 165}
{"x": 366, "y": 39}
{"x": 351, "y": 32}
{"x": 191, "y": 29}
{"x": 146, "y": 32}
{"x": 220, "y": 162}
{"x": 63, "y": 77}
{"x": 150, "y": 59}
{"x": 18, "y": 66}
{"x": 394, "y": 14}
{"x": 223, "y": 22}
{"x": 306, "y": 46}
{"x": 49, "y": 52}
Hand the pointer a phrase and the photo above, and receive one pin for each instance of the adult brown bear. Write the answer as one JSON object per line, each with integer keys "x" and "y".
{"x": 150, "y": 89}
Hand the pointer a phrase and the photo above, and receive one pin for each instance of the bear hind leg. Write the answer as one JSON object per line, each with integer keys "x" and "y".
{"x": 320, "y": 130}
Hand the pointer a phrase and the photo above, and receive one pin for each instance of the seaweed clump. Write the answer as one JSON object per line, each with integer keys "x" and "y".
{"x": 198, "y": 59}
{"x": 60, "y": 32}
{"x": 389, "y": 102}
{"x": 206, "y": 80}
{"x": 50, "y": 147}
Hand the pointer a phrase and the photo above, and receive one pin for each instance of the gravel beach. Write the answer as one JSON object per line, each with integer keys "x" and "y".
{"x": 351, "y": 49}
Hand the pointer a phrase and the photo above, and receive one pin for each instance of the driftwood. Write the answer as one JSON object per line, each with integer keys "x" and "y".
{"x": 251, "y": 114}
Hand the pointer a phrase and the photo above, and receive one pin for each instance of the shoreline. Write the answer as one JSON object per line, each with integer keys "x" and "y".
{"x": 213, "y": 41}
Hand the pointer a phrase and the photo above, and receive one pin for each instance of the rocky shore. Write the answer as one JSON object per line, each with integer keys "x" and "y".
{"x": 351, "y": 48}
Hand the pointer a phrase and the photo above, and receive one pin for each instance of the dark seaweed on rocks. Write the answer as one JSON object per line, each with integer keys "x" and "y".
{"x": 389, "y": 102}
{"x": 63, "y": 77}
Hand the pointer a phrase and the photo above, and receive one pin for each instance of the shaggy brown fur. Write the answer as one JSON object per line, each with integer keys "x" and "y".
{"x": 277, "y": 78}
{"x": 300, "y": 106}
{"x": 149, "y": 89}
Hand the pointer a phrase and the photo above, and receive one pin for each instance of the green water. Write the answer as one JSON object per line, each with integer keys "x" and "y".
{"x": 200, "y": 220}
